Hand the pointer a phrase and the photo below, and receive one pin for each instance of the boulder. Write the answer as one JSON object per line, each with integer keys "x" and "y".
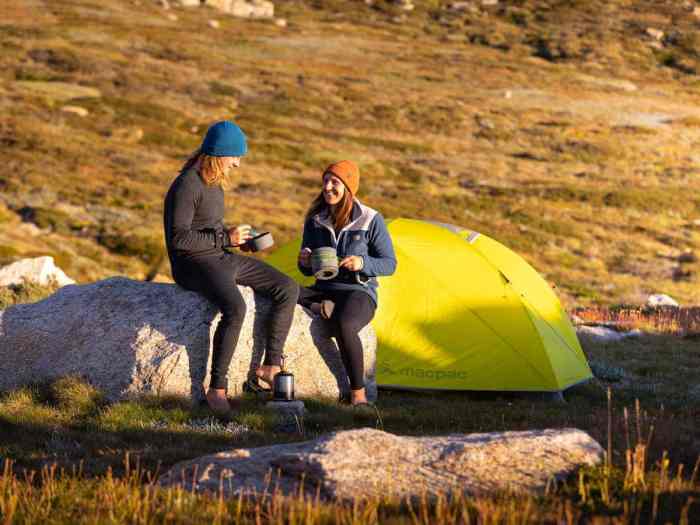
{"x": 38, "y": 269}
{"x": 660, "y": 299}
{"x": 130, "y": 337}
{"x": 371, "y": 463}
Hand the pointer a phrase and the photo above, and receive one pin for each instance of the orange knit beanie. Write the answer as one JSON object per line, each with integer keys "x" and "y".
{"x": 348, "y": 172}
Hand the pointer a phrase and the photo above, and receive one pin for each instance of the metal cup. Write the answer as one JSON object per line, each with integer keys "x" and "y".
{"x": 261, "y": 241}
{"x": 324, "y": 263}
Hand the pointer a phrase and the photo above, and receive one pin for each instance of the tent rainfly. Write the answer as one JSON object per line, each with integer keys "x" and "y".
{"x": 463, "y": 312}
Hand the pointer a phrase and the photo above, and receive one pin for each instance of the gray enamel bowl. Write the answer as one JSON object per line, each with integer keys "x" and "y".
{"x": 261, "y": 242}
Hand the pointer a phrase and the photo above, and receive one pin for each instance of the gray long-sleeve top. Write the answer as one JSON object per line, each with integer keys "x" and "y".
{"x": 193, "y": 218}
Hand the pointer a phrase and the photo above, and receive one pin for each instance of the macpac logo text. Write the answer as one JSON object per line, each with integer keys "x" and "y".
{"x": 423, "y": 373}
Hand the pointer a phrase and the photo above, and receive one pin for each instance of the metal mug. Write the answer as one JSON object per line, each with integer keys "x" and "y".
{"x": 324, "y": 263}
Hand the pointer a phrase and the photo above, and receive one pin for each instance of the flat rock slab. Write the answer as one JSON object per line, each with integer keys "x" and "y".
{"x": 371, "y": 463}
{"x": 131, "y": 337}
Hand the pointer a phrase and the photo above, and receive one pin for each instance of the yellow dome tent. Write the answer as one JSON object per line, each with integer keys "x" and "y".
{"x": 463, "y": 312}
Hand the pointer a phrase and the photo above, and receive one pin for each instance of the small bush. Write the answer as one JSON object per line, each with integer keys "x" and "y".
{"x": 26, "y": 292}
{"x": 75, "y": 396}
{"x": 148, "y": 249}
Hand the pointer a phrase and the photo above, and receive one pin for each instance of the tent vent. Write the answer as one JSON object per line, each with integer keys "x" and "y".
{"x": 472, "y": 237}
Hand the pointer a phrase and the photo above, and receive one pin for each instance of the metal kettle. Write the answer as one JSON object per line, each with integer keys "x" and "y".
{"x": 283, "y": 385}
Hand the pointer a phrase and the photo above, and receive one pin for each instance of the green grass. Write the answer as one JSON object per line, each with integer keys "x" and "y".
{"x": 85, "y": 457}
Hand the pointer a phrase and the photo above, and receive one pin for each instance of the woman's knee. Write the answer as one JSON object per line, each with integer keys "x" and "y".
{"x": 232, "y": 307}
{"x": 348, "y": 325}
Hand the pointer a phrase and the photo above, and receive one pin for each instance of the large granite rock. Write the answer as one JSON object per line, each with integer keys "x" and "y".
{"x": 41, "y": 270}
{"x": 372, "y": 463}
{"x": 130, "y": 337}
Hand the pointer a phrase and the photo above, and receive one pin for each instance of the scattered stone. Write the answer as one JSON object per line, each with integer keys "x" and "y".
{"x": 577, "y": 320}
{"x": 30, "y": 229}
{"x": 489, "y": 3}
{"x": 601, "y": 334}
{"x": 406, "y": 5}
{"x": 290, "y": 416}
{"x": 164, "y": 4}
{"x": 129, "y": 337}
{"x": 484, "y": 122}
{"x": 41, "y": 270}
{"x": 607, "y": 372}
{"x": 295, "y": 407}
{"x": 696, "y": 12}
{"x": 280, "y": 22}
{"x": 189, "y": 3}
{"x": 128, "y": 135}
{"x": 369, "y": 463}
{"x": 76, "y": 110}
{"x": 661, "y": 300}
{"x": 172, "y": 17}
{"x": 460, "y": 6}
{"x": 246, "y": 9}
{"x": 214, "y": 24}
{"x": 656, "y": 34}
{"x": 57, "y": 91}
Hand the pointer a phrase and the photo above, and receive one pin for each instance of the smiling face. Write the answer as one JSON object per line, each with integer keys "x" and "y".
{"x": 333, "y": 189}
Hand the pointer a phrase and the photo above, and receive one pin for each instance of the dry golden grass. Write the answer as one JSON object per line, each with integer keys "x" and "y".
{"x": 555, "y": 129}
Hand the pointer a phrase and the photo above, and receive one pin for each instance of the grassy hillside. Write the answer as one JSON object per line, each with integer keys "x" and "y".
{"x": 566, "y": 129}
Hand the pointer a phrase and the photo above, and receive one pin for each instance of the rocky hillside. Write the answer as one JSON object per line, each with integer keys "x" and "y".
{"x": 566, "y": 129}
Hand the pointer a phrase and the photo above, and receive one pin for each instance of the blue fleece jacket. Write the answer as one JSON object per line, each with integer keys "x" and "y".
{"x": 365, "y": 235}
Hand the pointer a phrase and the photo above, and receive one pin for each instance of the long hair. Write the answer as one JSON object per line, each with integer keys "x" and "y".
{"x": 210, "y": 168}
{"x": 340, "y": 214}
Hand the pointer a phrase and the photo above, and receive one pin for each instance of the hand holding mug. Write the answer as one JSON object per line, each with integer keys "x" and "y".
{"x": 354, "y": 263}
{"x": 305, "y": 257}
{"x": 239, "y": 234}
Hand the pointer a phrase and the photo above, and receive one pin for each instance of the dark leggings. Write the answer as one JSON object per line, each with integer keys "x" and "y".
{"x": 216, "y": 278}
{"x": 354, "y": 309}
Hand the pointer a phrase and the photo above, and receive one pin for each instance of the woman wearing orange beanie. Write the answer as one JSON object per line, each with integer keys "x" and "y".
{"x": 337, "y": 219}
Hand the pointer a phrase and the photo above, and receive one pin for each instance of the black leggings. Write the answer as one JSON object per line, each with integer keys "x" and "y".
{"x": 354, "y": 309}
{"x": 216, "y": 278}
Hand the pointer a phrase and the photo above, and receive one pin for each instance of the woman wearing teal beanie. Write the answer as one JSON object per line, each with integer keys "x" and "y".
{"x": 196, "y": 237}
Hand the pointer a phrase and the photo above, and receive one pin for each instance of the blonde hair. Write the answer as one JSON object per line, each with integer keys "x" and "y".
{"x": 210, "y": 168}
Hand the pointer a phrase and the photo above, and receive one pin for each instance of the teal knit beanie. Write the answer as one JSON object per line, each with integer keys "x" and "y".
{"x": 224, "y": 139}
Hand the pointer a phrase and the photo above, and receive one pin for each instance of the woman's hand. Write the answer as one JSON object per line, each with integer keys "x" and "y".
{"x": 239, "y": 234}
{"x": 304, "y": 257}
{"x": 354, "y": 263}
